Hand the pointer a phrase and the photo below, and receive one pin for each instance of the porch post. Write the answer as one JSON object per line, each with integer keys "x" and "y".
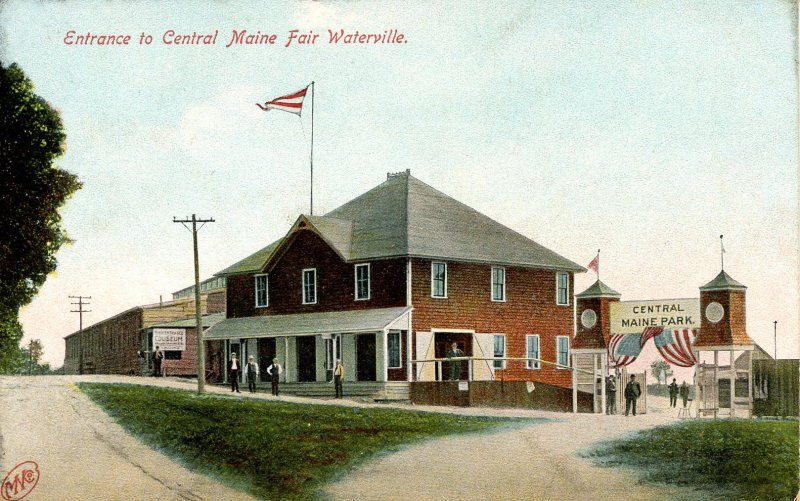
{"x": 286, "y": 358}
{"x": 594, "y": 382}
{"x": 716, "y": 383}
{"x": 574, "y": 369}
{"x": 408, "y": 354}
{"x": 750, "y": 382}
{"x": 385, "y": 362}
{"x": 733, "y": 385}
{"x": 603, "y": 374}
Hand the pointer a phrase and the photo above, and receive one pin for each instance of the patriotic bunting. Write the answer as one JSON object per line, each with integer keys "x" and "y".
{"x": 675, "y": 346}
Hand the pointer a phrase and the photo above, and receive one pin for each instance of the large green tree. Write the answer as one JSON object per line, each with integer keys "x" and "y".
{"x": 32, "y": 189}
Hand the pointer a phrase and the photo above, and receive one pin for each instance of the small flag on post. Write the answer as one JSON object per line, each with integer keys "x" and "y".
{"x": 293, "y": 103}
{"x": 595, "y": 264}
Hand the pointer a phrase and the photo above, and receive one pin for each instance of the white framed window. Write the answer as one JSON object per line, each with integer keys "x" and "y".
{"x": 438, "y": 279}
{"x": 362, "y": 282}
{"x": 262, "y": 291}
{"x": 310, "y": 286}
{"x": 532, "y": 351}
{"x": 393, "y": 342}
{"x": 562, "y": 351}
{"x": 498, "y": 284}
{"x": 499, "y": 351}
{"x": 562, "y": 287}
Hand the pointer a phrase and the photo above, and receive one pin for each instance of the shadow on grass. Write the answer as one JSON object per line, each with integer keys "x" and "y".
{"x": 273, "y": 450}
{"x": 731, "y": 459}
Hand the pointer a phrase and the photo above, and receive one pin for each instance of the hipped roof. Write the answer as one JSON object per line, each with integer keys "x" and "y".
{"x": 404, "y": 217}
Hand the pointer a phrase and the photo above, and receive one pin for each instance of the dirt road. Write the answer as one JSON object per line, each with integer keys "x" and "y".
{"x": 82, "y": 454}
{"x": 536, "y": 462}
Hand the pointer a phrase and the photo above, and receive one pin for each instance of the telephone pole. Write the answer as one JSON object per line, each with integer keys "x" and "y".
{"x": 80, "y": 311}
{"x": 201, "y": 353}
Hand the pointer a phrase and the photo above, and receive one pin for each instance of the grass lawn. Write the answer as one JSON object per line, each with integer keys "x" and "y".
{"x": 273, "y": 450}
{"x": 750, "y": 459}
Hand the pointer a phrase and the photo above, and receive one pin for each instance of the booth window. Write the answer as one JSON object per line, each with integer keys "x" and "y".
{"x": 262, "y": 294}
{"x": 499, "y": 351}
{"x": 438, "y": 279}
{"x": 310, "y": 286}
{"x": 562, "y": 351}
{"x": 498, "y": 284}
{"x": 532, "y": 343}
{"x": 362, "y": 281}
{"x": 393, "y": 342}
{"x": 173, "y": 355}
{"x": 562, "y": 288}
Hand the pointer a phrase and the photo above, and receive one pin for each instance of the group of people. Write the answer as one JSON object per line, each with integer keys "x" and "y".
{"x": 675, "y": 390}
{"x": 633, "y": 391}
{"x": 252, "y": 371}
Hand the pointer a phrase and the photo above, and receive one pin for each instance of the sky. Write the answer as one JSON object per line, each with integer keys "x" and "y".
{"x": 644, "y": 129}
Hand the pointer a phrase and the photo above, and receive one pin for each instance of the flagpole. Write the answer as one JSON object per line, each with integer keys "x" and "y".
{"x": 598, "y": 265}
{"x": 312, "y": 147}
{"x": 721, "y": 253}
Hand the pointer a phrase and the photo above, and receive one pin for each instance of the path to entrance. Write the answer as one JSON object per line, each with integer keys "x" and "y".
{"x": 83, "y": 454}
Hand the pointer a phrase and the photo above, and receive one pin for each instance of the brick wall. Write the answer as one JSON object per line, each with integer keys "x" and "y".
{"x": 530, "y": 308}
{"x": 732, "y": 329}
{"x": 335, "y": 282}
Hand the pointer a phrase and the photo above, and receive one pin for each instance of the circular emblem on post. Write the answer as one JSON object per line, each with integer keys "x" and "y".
{"x": 714, "y": 312}
{"x": 588, "y": 318}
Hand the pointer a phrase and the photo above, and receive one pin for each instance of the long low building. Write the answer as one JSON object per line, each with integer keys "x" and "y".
{"x": 121, "y": 344}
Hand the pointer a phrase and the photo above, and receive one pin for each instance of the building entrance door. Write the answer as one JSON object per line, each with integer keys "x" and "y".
{"x": 266, "y": 352}
{"x": 306, "y": 358}
{"x": 443, "y": 343}
{"x": 365, "y": 357}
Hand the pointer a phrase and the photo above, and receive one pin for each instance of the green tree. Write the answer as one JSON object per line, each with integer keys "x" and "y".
{"x": 660, "y": 368}
{"x": 33, "y": 189}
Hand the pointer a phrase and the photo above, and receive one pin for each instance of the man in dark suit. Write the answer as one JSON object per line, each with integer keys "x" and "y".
{"x": 338, "y": 377}
{"x": 158, "y": 356}
{"x": 455, "y": 366}
{"x": 233, "y": 372}
{"x": 632, "y": 393}
{"x": 673, "y": 393}
{"x": 274, "y": 372}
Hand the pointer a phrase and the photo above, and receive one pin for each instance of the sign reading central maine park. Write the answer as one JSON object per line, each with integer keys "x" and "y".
{"x": 170, "y": 339}
{"x": 632, "y": 317}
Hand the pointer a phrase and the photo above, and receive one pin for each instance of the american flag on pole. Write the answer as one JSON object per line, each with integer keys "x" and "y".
{"x": 293, "y": 103}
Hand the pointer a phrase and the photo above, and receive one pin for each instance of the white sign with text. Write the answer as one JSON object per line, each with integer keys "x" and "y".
{"x": 632, "y": 317}
{"x": 169, "y": 339}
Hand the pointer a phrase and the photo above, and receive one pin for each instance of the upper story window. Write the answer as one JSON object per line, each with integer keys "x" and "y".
{"x": 562, "y": 351}
{"x": 498, "y": 284}
{"x": 562, "y": 288}
{"x": 310, "y": 286}
{"x": 499, "y": 351}
{"x": 262, "y": 291}
{"x": 438, "y": 279}
{"x": 362, "y": 281}
{"x": 532, "y": 349}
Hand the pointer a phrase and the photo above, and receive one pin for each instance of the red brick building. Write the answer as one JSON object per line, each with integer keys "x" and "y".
{"x": 387, "y": 282}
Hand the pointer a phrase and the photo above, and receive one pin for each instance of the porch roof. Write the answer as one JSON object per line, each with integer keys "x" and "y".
{"x": 305, "y": 324}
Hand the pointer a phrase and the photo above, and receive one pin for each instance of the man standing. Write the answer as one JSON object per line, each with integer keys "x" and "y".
{"x": 455, "y": 366}
{"x": 611, "y": 395}
{"x": 274, "y": 372}
{"x": 158, "y": 356}
{"x": 632, "y": 393}
{"x": 684, "y": 392}
{"x": 338, "y": 376}
{"x": 673, "y": 393}
{"x": 252, "y": 373}
{"x": 233, "y": 373}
